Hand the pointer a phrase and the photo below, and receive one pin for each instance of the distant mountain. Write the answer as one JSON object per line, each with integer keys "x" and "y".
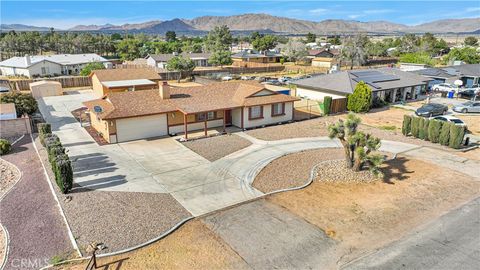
{"x": 22, "y": 27}
{"x": 267, "y": 23}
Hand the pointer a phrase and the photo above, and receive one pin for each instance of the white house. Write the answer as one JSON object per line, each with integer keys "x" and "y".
{"x": 49, "y": 65}
{"x": 160, "y": 60}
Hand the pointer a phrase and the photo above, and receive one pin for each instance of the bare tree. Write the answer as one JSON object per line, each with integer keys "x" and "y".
{"x": 354, "y": 50}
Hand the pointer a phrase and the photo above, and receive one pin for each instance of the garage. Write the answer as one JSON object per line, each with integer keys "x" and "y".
{"x": 136, "y": 128}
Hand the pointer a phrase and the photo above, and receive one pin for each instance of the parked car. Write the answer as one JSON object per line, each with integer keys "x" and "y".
{"x": 285, "y": 79}
{"x": 431, "y": 109}
{"x": 449, "y": 118}
{"x": 444, "y": 87}
{"x": 227, "y": 78}
{"x": 272, "y": 82}
{"x": 247, "y": 78}
{"x": 4, "y": 89}
{"x": 467, "y": 107}
{"x": 469, "y": 93}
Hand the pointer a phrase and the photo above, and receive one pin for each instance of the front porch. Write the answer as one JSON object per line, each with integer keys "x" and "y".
{"x": 400, "y": 94}
{"x": 200, "y": 124}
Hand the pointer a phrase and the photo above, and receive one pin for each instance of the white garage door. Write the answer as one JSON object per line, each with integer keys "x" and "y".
{"x": 136, "y": 128}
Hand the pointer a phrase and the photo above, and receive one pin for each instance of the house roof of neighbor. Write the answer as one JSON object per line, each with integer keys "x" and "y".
{"x": 62, "y": 59}
{"x": 255, "y": 54}
{"x": 188, "y": 100}
{"x": 122, "y": 74}
{"x": 167, "y": 56}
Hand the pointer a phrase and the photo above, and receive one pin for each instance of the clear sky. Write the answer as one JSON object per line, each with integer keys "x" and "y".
{"x": 65, "y": 14}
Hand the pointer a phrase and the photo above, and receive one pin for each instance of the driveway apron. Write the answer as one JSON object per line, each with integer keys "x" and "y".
{"x": 30, "y": 213}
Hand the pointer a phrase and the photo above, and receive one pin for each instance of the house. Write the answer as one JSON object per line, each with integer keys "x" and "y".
{"x": 326, "y": 53}
{"x": 325, "y": 57}
{"x": 166, "y": 110}
{"x": 469, "y": 74}
{"x": 412, "y": 66}
{"x": 106, "y": 81}
{"x": 46, "y": 89}
{"x": 160, "y": 60}
{"x": 7, "y": 111}
{"x": 256, "y": 56}
{"x": 389, "y": 84}
{"x": 49, "y": 65}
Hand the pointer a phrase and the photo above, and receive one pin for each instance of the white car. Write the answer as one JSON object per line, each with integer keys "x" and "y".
{"x": 227, "y": 78}
{"x": 449, "y": 118}
{"x": 443, "y": 87}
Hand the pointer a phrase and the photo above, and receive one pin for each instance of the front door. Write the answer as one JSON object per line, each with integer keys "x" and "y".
{"x": 228, "y": 117}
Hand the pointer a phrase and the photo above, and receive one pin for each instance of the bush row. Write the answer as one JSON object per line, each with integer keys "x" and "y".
{"x": 445, "y": 133}
{"x": 327, "y": 103}
{"x": 59, "y": 160}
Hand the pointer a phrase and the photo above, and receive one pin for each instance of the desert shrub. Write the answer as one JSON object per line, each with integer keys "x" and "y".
{"x": 327, "y": 103}
{"x": 456, "y": 136}
{"x": 445, "y": 134}
{"x": 63, "y": 173}
{"x": 434, "y": 128}
{"x": 406, "y": 125}
{"x": 361, "y": 99}
{"x": 43, "y": 130}
{"x": 5, "y": 147}
{"x": 415, "y": 126}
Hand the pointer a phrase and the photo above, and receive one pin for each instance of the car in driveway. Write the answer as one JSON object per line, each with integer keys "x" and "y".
{"x": 449, "y": 118}
{"x": 468, "y": 107}
{"x": 431, "y": 109}
{"x": 469, "y": 93}
{"x": 444, "y": 87}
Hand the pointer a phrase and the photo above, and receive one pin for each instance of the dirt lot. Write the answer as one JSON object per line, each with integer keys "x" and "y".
{"x": 216, "y": 147}
{"x": 366, "y": 216}
{"x": 193, "y": 246}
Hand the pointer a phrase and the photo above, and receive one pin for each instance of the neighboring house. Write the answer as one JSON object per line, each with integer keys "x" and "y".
{"x": 49, "y": 65}
{"x": 7, "y": 111}
{"x": 106, "y": 81}
{"x": 326, "y": 53}
{"x": 256, "y": 56}
{"x": 126, "y": 116}
{"x": 160, "y": 60}
{"x": 412, "y": 66}
{"x": 323, "y": 57}
{"x": 469, "y": 74}
{"x": 389, "y": 84}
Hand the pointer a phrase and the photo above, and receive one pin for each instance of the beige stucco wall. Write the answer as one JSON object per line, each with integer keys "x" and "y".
{"x": 315, "y": 95}
{"x": 267, "y": 116}
{"x": 100, "y": 126}
{"x": 46, "y": 89}
{"x": 97, "y": 86}
{"x": 15, "y": 127}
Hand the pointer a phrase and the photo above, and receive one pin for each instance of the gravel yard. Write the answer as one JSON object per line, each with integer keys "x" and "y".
{"x": 216, "y": 147}
{"x": 336, "y": 171}
{"x": 9, "y": 176}
{"x": 192, "y": 246}
{"x": 118, "y": 219}
{"x": 366, "y": 216}
{"x": 281, "y": 174}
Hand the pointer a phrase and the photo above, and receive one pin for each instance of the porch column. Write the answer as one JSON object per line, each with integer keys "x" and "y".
{"x": 185, "y": 126}
{"x": 224, "y": 119}
{"x": 394, "y": 95}
{"x": 205, "y": 124}
{"x": 404, "y": 96}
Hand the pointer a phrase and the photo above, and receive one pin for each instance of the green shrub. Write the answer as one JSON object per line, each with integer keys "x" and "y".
{"x": 55, "y": 151}
{"x": 24, "y": 103}
{"x": 434, "y": 128}
{"x": 421, "y": 130}
{"x": 445, "y": 134}
{"x": 5, "y": 147}
{"x": 63, "y": 173}
{"x": 43, "y": 130}
{"x": 327, "y": 103}
{"x": 378, "y": 103}
{"x": 361, "y": 99}
{"x": 407, "y": 125}
{"x": 415, "y": 126}
{"x": 456, "y": 136}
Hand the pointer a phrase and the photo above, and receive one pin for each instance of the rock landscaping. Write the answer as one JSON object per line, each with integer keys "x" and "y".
{"x": 337, "y": 171}
{"x": 9, "y": 176}
{"x": 216, "y": 147}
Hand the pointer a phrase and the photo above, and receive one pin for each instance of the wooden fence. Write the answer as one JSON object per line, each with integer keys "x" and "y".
{"x": 67, "y": 82}
{"x": 338, "y": 105}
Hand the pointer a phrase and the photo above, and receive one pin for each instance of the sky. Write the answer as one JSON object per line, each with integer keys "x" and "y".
{"x": 66, "y": 14}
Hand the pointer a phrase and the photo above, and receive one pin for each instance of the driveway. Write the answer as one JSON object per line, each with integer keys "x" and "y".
{"x": 269, "y": 237}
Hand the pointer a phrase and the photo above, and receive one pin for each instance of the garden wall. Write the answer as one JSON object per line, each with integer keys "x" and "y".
{"x": 15, "y": 127}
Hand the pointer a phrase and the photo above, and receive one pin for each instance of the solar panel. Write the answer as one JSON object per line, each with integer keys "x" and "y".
{"x": 451, "y": 71}
{"x": 431, "y": 72}
{"x": 364, "y": 73}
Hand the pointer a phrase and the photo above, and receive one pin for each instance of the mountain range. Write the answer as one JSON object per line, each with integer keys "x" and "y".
{"x": 274, "y": 24}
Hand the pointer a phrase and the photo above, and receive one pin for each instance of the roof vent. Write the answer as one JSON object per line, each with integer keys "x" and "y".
{"x": 97, "y": 109}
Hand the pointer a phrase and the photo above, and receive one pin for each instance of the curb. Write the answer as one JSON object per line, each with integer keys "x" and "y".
{"x": 69, "y": 230}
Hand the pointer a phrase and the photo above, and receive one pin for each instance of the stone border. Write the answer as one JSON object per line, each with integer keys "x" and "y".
{"x": 7, "y": 242}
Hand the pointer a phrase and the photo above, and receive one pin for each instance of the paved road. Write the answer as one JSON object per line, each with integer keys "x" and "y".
{"x": 450, "y": 242}
{"x": 30, "y": 214}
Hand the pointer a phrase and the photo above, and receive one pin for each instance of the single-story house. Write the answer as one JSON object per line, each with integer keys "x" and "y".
{"x": 325, "y": 52}
{"x": 469, "y": 74}
{"x": 412, "y": 66}
{"x": 256, "y": 56}
{"x": 49, "y": 65}
{"x": 106, "y": 81}
{"x": 46, "y": 89}
{"x": 8, "y": 111}
{"x": 389, "y": 84}
{"x": 160, "y": 60}
{"x": 166, "y": 110}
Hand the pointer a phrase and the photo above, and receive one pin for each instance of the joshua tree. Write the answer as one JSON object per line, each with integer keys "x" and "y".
{"x": 357, "y": 145}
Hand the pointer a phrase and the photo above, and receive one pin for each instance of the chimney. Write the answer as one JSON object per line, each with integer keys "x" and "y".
{"x": 164, "y": 90}
{"x": 28, "y": 62}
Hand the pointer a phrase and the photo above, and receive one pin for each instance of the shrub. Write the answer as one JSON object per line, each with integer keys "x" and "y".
{"x": 456, "y": 136}
{"x": 361, "y": 99}
{"x": 378, "y": 102}
{"x": 55, "y": 151}
{"x": 407, "y": 125}
{"x": 421, "y": 130}
{"x": 434, "y": 128}
{"x": 24, "y": 103}
{"x": 43, "y": 130}
{"x": 5, "y": 147}
{"x": 51, "y": 140}
{"x": 415, "y": 126}
{"x": 327, "y": 103}
{"x": 445, "y": 134}
{"x": 63, "y": 173}
{"x": 426, "y": 124}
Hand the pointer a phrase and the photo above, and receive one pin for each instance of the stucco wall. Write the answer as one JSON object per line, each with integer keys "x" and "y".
{"x": 15, "y": 127}
{"x": 267, "y": 116}
{"x": 237, "y": 117}
{"x": 315, "y": 95}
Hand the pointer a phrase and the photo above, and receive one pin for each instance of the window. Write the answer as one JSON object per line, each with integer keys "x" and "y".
{"x": 200, "y": 117}
{"x": 44, "y": 71}
{"x": 278, "y": 109}
{"x": 210, "y": 115}
{"x": 255, "y": 112}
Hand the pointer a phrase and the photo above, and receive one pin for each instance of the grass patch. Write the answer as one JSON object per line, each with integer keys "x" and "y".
{"x": 388, "y": 127}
